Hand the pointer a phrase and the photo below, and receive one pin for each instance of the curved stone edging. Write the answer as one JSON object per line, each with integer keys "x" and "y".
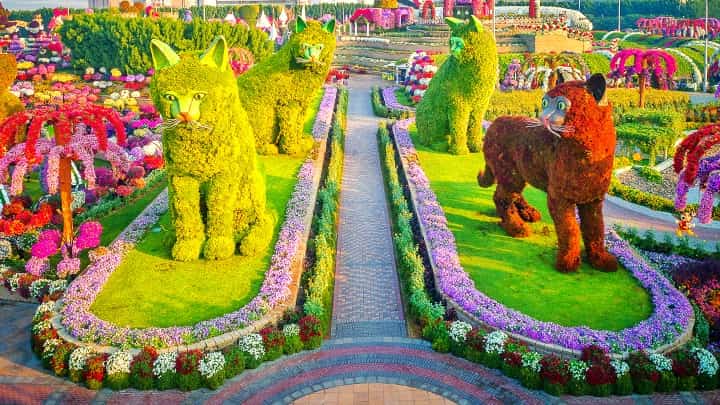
{"x": 464, "y": 314}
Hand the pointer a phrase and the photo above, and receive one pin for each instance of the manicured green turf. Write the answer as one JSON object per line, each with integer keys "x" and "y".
{"x": 403, "y": 98}
{"x": 150, "y": 289}
{"x": 116, "y": 221}
{"x": 519, "y": 272}
{"x": 312, "y": 111}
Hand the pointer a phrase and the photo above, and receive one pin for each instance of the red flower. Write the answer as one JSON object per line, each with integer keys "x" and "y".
{"x": 188, "y": 362}
{"x": 554, "y": 370}
{"x": 513, "y": 359}
{"x": 14, "y": 228}
{"x": 601, "y": 374}
{"x": 124, "y": 191}
{"x": 24, "y": 216}
{"x": 13, "y": 209}
{"x": 153, "y": 162}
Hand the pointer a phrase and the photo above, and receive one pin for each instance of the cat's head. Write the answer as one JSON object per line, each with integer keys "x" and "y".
{"x": 313, "y": 45}
{"x": 562, "y": 105}
{"x": 189, "y": 88}
{"x": 469, "y": 41}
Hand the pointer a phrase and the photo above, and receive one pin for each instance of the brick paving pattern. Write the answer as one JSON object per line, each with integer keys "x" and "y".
{"x": 366, "y": 283}
{"x": 373, "y": 394}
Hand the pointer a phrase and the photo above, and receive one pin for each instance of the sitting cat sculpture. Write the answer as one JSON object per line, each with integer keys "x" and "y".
{"x": 452, "y": 109}
{"x": 277, "y": 92}
{"x": 210, "y": 152}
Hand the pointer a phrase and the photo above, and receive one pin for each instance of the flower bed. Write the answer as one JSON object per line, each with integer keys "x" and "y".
{"x": 670, "y": 321}
{"x": 323, "y": 119}
{"x": 390, "y": 99}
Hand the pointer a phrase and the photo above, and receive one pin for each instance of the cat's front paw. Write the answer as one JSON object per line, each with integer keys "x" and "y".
{"x": 219, "y": 248}
{"x": 603, "y": 261}
{"x": 187, "y": 250}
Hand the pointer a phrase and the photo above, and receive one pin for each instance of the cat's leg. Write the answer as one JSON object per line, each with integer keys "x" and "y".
{"x": 221, "y": 198}
{"x": 527, "y": 212}
{"x": 189, "y": 228}
{"x": 290, "y": 129}
{"x": 475, "y": 129}
{"x": 568, "y": 233}
{"x": 458, "y": 119}
{"x": 260, "y": 222}
{"x": 593, "y": 233}
{"x": 505, "y": 198}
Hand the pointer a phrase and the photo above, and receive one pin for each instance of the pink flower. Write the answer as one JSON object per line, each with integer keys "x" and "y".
{"x": 47, "y": 245}
{"x": 36, "y": 266}
{"x": 88, "y": 236}
{"x": 68, "y": 266}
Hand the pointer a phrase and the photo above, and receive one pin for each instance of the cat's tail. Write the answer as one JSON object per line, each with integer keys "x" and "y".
{"x": 486, "y": 178}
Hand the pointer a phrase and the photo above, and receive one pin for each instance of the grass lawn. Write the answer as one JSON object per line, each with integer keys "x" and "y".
{"x": 519, "y": 273}
{"x": 151, "y": 289}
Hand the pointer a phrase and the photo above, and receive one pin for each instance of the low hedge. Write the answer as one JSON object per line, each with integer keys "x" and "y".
{"x": 381, "y": 110}
{"x": 650, "y": 139}
{"x": 648, "y": 241}
{"x": 649, "y": 200}
{"x": 319, "y": 280}
{"x": 410, "y": 263}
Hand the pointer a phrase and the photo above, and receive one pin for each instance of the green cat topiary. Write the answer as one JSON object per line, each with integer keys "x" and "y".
{"x": 210, "y": 153}
{"x": 457, "y": 97}
{"x": 277, "y": 92}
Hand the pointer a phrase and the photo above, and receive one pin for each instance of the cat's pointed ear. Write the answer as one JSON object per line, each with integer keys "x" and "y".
{"x": 217, "y": 54}
{"x": 476, "y": 24}
{"x": 300, "y": 25}
{"x": 453, "y": 22}
{"x": 162, "y": 55}
{"x": 329, "y": 26}
{"x": 596, "y": 85}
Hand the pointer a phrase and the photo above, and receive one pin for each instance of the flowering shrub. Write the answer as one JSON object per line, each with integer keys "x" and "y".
{"x": 234, "y": 362}
{"x": 310, "y": 332}
{"x": 164, "y": 370}
{"x": 141, "y": 369}
{"x": 293, "y": 344}
{"x": 495, "y": 342}
{"x": 577, "y": 369}
{"x": 212, "y": 369}
{"x": 459, "y": 330}
{"x": 59, "y": 359}
{"x": 117, "y": 368}
{"x": 76, "y": 362}
{"x": 273, "y": 341}
{"x": 186, "y": 367}
{"x": 555, "y": 374}
{"x": 252, "y": 347}
{"x": 94, "y": 371}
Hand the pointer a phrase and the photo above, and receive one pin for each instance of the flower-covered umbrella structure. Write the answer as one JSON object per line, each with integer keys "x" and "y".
{"x": 694, "y": 168}
{"x": 654, "y": 65}
{"x": 79, "y": 133}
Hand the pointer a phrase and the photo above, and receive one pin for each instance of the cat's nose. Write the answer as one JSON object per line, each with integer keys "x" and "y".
{"x": 185, "y": 117}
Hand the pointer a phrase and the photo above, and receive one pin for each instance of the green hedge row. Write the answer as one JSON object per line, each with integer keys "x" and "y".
{"x": 319, "y": 281}
{"x": 117, "y": 42}
{"x": 410, "y": 264}
{"x": 648, "y": 241}
{"x": 649, "y": 139}
{"x": 649, "y": 200}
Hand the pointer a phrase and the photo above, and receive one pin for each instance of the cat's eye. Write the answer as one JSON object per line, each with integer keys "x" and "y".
{"x": 544, "y": 103}
{"x": 562, "y": 106}
{"x": 170, "y": 97}
{"x": 199, "y": 96}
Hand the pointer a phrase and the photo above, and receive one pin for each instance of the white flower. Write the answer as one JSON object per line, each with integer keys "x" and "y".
{"x": 495, "y": 342}
{"x": 291, "y": 329}
{"x": 531, "y": 360}
{"x": 661, "y": 362}
{"x": 49, "y": 347}
{"x": 165, "y": 363}
{"x": 41, "y": 326}
{"x": 459, "y": 331}
{"x": 119, "y": 362}
{"x": 578, "y": 368}
{"x": 621, "y": 368}
{"x": 708, "y": 364}
{"x": 252, "y": 344}
{"x": 79, "y": 357}
{"x": 44, "y": 308}
{"x": 14, "y": 281}
{"x": 211, "y": 364}
{"x": 37, "y": 286}
{"x": 57, "y": 285}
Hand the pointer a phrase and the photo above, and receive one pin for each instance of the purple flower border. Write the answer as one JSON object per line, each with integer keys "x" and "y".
{"x": 323, "y": 119}
{"x": 670, "y": 318}
{"x": 82, "y": 324}
{"x": 390, "y": 100}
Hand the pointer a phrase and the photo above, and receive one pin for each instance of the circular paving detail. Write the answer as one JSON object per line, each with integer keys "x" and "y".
{"x": 369, "y": 394}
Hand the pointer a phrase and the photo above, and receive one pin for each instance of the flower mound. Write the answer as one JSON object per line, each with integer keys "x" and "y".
{"x": 670, "y": 317}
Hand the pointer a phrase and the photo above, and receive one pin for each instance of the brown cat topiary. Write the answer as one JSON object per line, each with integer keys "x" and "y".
{"x": 569, "y": 154}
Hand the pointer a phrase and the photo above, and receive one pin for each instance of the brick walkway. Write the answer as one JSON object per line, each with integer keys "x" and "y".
{"x": 359, "y": 394}
{"x": 367, "y": 296}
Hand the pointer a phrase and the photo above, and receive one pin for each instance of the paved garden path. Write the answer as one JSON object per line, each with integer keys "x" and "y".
{"x": 367, "y": 295}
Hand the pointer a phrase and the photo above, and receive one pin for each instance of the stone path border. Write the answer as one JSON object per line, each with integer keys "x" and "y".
{"x": 367, "y": 291}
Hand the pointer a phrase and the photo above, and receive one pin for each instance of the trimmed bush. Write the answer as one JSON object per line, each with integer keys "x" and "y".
{"x": 104, "y": 40}
{"x": 311, "y": 333}
{"x": 234, "y": 362}
{"x": 141, "y": 369}
{"x": 186, "y": 367}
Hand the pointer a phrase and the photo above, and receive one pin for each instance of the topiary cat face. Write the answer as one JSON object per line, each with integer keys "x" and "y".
{"x": 188, "y": 89}
{"x": 313, "y": 45}
{"x": 467, "y": 39}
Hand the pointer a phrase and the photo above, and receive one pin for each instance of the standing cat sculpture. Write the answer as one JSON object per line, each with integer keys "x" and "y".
{"x": 277, "y": 92}
{"x": 452, "y": 109}
{"x": 210, "y": 153}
